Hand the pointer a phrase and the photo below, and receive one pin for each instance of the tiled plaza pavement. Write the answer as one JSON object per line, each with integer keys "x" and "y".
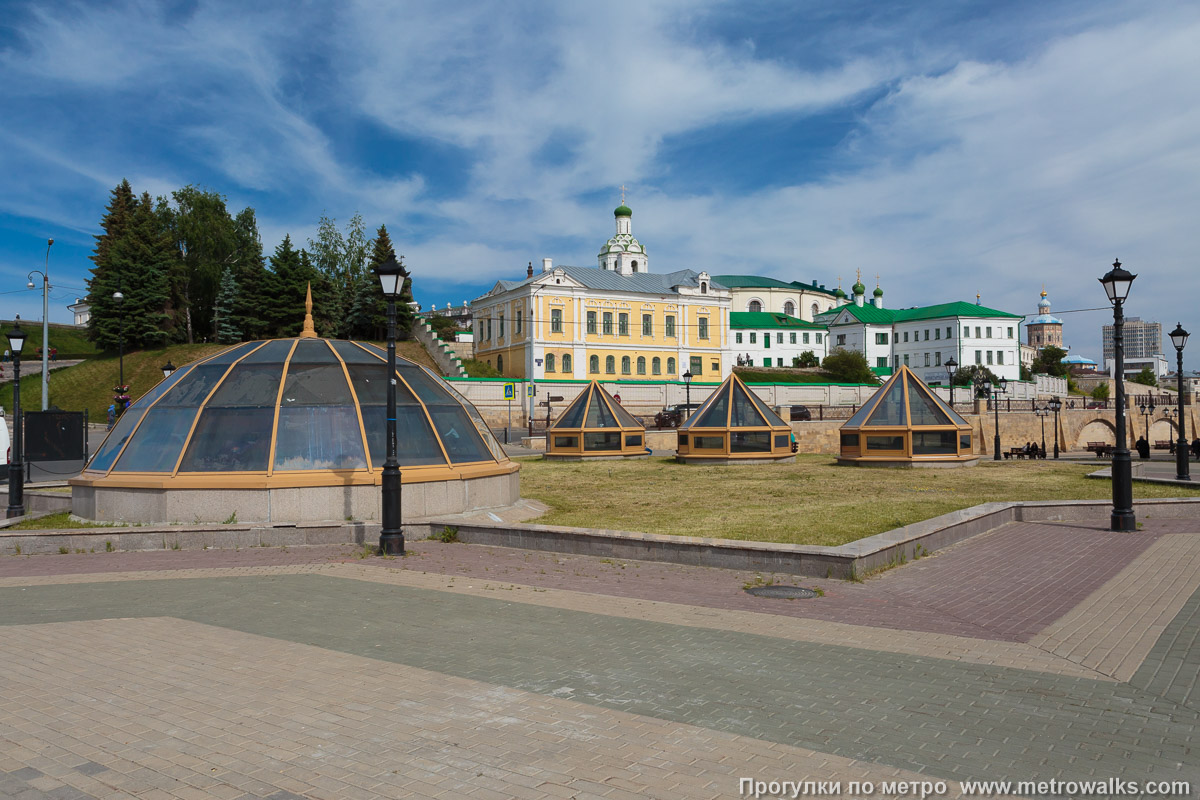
{"x": 1031, "y": 653}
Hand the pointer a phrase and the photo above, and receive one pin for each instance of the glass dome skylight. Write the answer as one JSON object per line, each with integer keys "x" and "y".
{"x": 295, "y": 412}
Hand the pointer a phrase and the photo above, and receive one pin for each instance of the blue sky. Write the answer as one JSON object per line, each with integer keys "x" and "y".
{"x": 952, "y": 148}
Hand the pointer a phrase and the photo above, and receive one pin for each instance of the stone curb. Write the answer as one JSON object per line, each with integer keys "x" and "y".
{"x": 847, "y": 561}
{"x": 851, "y": 560}
{"x": 123, "y": 538}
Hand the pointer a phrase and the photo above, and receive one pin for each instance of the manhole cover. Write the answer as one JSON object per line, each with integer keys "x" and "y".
{"x": 782, "y": 592}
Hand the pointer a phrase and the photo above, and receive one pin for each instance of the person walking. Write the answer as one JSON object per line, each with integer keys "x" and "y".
{"x": 1143, "y": 448}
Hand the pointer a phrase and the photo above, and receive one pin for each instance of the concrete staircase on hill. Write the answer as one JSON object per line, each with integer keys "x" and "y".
{"x": 449, "y": 363}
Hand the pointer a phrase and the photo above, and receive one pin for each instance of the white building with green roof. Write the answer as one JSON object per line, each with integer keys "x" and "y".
{"x": 763, "y": 338}
{"x": 802, "y": 300}
{"x": 926, "y": 337}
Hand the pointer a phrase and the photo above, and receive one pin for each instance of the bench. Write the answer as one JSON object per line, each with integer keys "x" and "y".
{"x": 1163, "y": 445}
{"x": 1101, "y": 449}
{"x": 1019, "y": 452}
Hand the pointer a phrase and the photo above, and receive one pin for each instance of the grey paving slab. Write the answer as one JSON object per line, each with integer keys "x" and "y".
{"x": 1172, "y": 668}
{"x": 939, "y": 717}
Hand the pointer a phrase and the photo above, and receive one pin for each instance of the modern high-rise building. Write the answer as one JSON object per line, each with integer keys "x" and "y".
{"x": 1142, "y": 339}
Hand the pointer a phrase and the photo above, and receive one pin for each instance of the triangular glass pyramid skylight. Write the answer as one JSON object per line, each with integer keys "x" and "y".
{"x": 922, "y": 407}
{"x": 733, "y": 405}
{"x": 890, "y": 409}
{"x": 573, "y": 416}
{"x": 595, "y": 408}
{"x": 888, "y": 406}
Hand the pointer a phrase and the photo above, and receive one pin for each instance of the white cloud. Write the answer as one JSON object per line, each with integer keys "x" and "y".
{"x": 972, "y": 174}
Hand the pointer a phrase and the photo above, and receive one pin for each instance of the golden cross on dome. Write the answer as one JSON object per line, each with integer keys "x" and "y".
{"x": 839, "y": 281}
{"x": 876, "y": 280}
{"x": 858, "y": 272}
{"x": 622, "y": 194}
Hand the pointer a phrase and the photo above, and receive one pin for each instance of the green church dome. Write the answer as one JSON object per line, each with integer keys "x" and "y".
{"x": 858, "y": 288}
{"x": 878, "y": 292}
{"x": 623, "y": 211}
{"x": 838, "y": 293}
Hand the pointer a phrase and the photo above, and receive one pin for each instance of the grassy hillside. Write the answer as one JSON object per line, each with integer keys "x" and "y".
{"x": 89, "y": 385}
{"x": 71, "y": 342}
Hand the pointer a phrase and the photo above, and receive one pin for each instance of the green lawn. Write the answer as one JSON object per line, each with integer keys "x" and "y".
{"x": 812, "y": 501}
{"x": 59, "y": 521}
{"x": 70, "y": 341}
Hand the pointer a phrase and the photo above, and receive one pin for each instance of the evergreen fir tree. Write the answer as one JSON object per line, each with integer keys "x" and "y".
{"x": 367, "y": 318}
{"x": 374, "y": 311}
{"x": 142, "y": 259}
{"x": 227, "y": 300}
{"x": 256, "y": 286}
{"x": 292, "y": 274}
{"x": 104, "y": 324}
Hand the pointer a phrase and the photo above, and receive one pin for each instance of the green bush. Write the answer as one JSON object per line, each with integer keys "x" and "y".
{"x": 1100, "y": 392}
{"x": 848, "y": 366}
{"x": 1146, "y": 377}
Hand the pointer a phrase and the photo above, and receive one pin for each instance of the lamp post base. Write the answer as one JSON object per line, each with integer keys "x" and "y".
{"x": 1123, "y": 518}
{"x": 391, "y": 536}
{"x": 391, "y": 544}
{"x": 1123, "y": 521}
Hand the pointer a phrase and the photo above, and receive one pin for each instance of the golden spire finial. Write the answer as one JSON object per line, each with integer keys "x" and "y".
{"x": 1043, "y": 289}
{"x": 876, "y": 280}
{"x": 622, "y": 194}
{"x": 858, "y": 274}
{"x": 839, "y": 281}
{"x": 309, "y": 332}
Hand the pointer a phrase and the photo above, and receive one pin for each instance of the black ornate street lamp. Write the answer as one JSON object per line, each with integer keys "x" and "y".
{"x": 16, "y": 469}
{"x": 687, "y": 387}
{"x": 1117, "y": 282}
{"x": 1179, "y": 338}
{"x": 168, "y": 369}
{"x": 1146, "y": 407}
{"x": 1042, "y": 413}
{"x": 119, "y": 299}
{"x": 1055, "y": 406}
{"x": 993, "y": 391}
{"x": 391, "y": 534}
{"x": 45, "y": 323}
{"x": 951, "y": 368}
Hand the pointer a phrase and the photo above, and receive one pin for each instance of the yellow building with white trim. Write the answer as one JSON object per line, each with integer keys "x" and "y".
{"x": 616, "y": 321}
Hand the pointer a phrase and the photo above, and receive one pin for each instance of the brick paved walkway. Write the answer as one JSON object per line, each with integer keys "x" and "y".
{"x": 1035, "y": 652}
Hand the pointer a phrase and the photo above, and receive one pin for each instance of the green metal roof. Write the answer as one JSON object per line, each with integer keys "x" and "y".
{"x": 769, "y": 319}
{"x": 955, "y": 309}
{"x": 865, "y": 313}
{"x": 623, "y": 211}
{"x": 758, "y": 282}
{"x": 871, "y": 315}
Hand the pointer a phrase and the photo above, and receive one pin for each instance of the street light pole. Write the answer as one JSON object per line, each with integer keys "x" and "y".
{"x": 1055, "y": 406}
{"x": 16, "y": 469}
{"x": 45, "y": 324}
{"x": 1179, "y": 338}
{"x": 687, "y": 406}
{"x": 951, "y": 366}
{"x": 121, "y": 389}
{"x": 1117, "y": 282}
{"x": 391, "y": 534}
{"x": 1147, "y": 409}
{"x": 1042, "y": 414}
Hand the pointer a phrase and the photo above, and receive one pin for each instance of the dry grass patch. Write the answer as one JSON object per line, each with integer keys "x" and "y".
{"x": 813, "y": 501}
